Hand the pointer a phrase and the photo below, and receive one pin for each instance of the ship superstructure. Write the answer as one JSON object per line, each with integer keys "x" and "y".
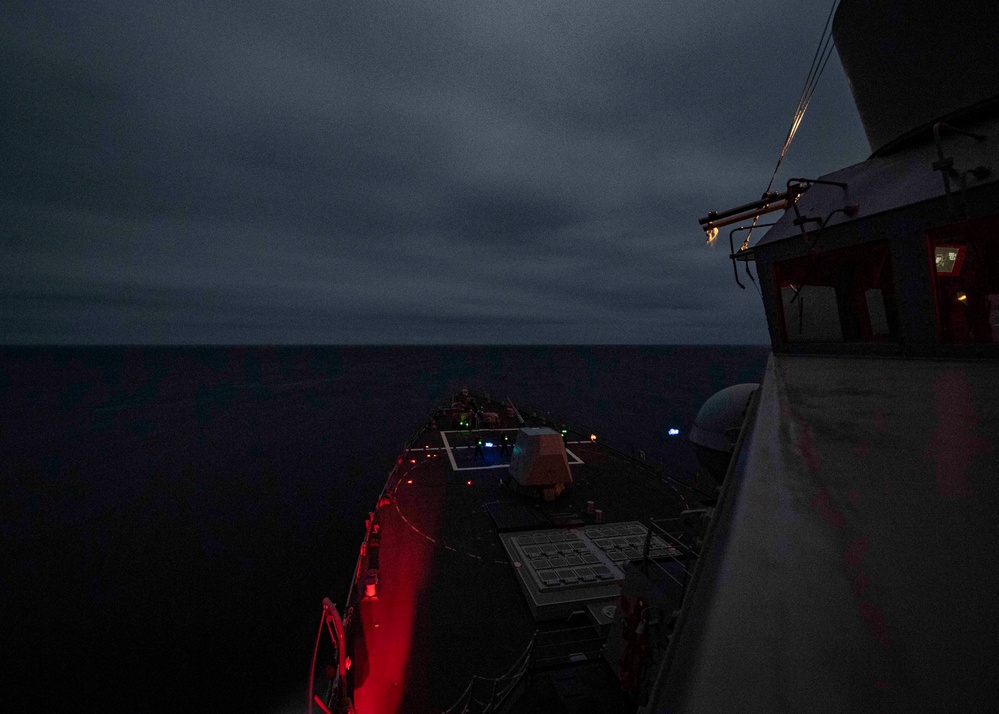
{"x": 850, "y": 566}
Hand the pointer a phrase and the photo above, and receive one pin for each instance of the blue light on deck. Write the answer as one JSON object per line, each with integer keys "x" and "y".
{"x": 489, "y": 444}
{"x": 674, "y": 432}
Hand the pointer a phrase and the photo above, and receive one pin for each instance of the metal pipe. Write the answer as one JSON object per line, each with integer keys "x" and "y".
{"x": 768, "y": 198}
{"x": 731, "y": 246}
{"x": 312, "y": 668}
{"x": 807, "y": 182}
{"x": 944, "y": 165}
{"x": 748, "y": 211}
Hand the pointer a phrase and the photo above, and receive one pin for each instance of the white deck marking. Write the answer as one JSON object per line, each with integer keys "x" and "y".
{"x": 417, "y": 449}
{"x": 571, "y": 457}
{"x": 447, "y": 446}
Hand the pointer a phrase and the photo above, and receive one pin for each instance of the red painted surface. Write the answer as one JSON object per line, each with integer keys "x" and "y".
{"x": 879, "y": 420}
{"x": 824, "y": 505}
{"x": 853, "y": 559}
{"x": 806, "y": 447}
{"x": 855, "y": 552}
{"x": 875, "y": 620}
{"x": 954, "y": 443}
{"x": 860, "y": 584}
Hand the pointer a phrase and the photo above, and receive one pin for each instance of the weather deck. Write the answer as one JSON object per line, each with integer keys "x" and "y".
{"x": 457, "y": 551}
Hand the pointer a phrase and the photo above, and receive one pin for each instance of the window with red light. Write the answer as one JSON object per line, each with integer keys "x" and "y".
{"x": 844, "y": 295}
{"x": 965, "y": 265}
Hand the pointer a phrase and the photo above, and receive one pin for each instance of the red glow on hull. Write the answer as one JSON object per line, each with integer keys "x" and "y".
{"x": 387, "y": 668}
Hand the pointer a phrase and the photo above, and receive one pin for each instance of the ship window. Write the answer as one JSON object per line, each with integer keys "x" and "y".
{"x": 966, "y": 278}
{"x": 844, "y": 295}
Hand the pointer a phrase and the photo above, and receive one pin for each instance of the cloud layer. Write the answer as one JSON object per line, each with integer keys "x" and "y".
{"x": 395, "y": 172}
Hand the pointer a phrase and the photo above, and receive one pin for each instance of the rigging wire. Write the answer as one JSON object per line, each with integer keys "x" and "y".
{"x": 755, "y": 284}
{"x": 819, "y": 60}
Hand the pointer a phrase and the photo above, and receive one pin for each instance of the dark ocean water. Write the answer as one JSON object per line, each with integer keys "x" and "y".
{"x": 172, "y": 517}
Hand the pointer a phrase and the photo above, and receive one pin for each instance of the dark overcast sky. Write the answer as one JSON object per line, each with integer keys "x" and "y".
{"x": 407, "y": 171}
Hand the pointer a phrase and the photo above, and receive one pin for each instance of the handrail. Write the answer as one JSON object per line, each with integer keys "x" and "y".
{"x": 382, "y": 494}
{"x": 516, "y": 411}
{"x": 497, "y": 696}
{"x": 720, "y": 512}
{"x": 550, "y": 640}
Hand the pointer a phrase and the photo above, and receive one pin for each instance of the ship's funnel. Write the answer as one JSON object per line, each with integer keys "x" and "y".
{"x": 912, "y": 63}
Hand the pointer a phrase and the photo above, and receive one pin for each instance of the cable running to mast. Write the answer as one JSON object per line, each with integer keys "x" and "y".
{"x": 819, "y": 60}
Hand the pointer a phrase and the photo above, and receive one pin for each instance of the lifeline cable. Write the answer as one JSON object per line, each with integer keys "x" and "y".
{"x": 819, "y": 60}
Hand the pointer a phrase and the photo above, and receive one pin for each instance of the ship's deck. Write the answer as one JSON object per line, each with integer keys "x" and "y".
{"x": 450, "y": 598}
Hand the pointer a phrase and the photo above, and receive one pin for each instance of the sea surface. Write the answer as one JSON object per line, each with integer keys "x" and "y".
{"x": 172, "y": 517}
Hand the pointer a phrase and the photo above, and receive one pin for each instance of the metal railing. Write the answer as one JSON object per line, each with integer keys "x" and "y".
{"x": 565, "y": 646}
{"x": 414, "y": 437}
{"x": 487, "y": 694}
{"x": 665, "y": 528}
